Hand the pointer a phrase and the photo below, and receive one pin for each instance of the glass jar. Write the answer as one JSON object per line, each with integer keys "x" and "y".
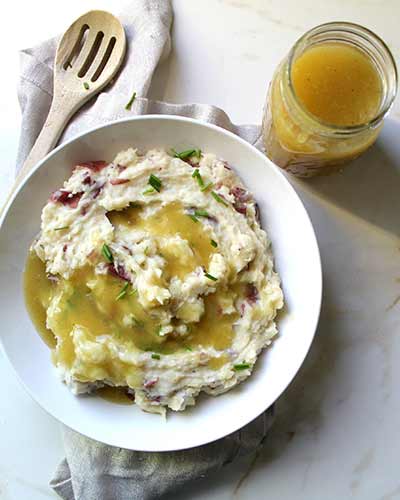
{"x": 297, "y": 140}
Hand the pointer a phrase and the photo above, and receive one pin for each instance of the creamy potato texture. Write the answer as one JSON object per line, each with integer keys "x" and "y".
{"x": 152, "y": 273}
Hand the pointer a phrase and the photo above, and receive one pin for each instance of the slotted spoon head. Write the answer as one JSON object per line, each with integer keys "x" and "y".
{"x": 89, "y": 54}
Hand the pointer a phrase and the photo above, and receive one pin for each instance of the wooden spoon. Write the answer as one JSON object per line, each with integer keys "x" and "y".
{"x": 88, "y": 56}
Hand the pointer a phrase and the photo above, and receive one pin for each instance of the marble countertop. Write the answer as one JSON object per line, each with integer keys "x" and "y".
{"x": 336, "y": 433}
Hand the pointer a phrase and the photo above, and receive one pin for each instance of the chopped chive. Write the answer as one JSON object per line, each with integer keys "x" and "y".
{"x": 131, "y": 101}
{"x": 86, "y": 85}
{"x": 218, "y": 198}
{"x": 188, "y": 348}
{"x": 184, "y": 155}
{"x": 137, "y": 322}
{"x": 155, "y": 356}
{"x": 155, "y": 182}
{"x": 201, "y": 213}
{"x": 210, "y": 277}
{"x": 214, "y": 243}
{"x": 61, "y": 228}
{"x": 187, "y": 154}
{"x": 206, "y": 186}
{"x": 122, "y": 293}
{"x": 107, "y": 253}
{"x": 133, "y": 292}
{"x": 196, "y": 175}
{"x": 149, "y": 190}
{"x": 193, "y": 217}
{"x": 241, "y": 366}
{"x": 158, "y": 329}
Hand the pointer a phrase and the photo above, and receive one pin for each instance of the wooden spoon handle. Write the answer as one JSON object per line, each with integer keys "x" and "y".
{"x": 60, "y": 112}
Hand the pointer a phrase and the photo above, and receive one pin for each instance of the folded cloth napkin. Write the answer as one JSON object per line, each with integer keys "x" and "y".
{"x": 92, "y": 470}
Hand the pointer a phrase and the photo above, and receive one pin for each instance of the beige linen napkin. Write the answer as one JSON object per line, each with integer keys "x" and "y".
{"x": 92, "y": 470}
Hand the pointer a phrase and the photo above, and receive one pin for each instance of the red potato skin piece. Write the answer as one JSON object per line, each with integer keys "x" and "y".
{"x": 150, "y": 383}
{"x": 94, "y": 166}
{"x": 118, "y": 272}
{"x": 156, "y": 399}
{"x": 251, "y": 293}
{"x": 66, "y": 198}
{"x": 116, "y": 182}
{"x": 241, "y": 198}
{"x": 96, "y": 191}
{"x": 85, "y": 209}
{"x": 240, "y": 194}
{"x": 87, "y": 180}
{"x": 240, "y": 207}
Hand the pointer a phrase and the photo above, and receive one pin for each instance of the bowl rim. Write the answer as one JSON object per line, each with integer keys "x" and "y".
{"x": 270, "y": 164}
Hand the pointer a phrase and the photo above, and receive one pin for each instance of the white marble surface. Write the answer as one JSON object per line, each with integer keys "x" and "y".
{"x": 336, "y": 435}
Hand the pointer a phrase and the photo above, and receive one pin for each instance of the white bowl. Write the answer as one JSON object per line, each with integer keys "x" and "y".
{"x": 297, "y": 261}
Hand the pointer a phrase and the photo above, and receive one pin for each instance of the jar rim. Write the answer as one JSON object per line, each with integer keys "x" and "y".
{"x": 354, "y": 29}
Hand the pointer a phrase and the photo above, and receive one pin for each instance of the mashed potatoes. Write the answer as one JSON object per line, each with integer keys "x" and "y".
{"x": 152, "y": 273}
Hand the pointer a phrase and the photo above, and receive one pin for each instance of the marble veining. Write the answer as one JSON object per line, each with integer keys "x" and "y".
{"x": 361, "y": 467}
{"x": 392, "y": 495}
{"x": 254, "y": 6}
{"x": 393, "y": 304}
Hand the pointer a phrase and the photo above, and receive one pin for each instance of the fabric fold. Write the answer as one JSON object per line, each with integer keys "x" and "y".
{"x": 93, "y": 470}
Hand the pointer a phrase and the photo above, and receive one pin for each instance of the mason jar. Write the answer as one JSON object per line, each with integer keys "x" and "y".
{"x": 300, "y": 142}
